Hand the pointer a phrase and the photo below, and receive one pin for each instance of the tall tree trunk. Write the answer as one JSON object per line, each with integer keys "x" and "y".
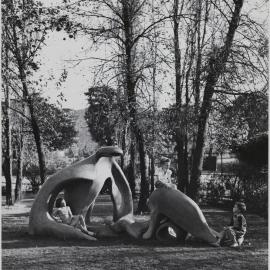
{"x": 178, "y": 94}
{"x": 131, "y": 167}
{"x": 185, "y": 184}
{"x": 154, "y": 118}
{"x": 216, "y": 65}
{"x": 123, "y": 146}
{"x": 38, "y": 141}
{"x": 35, "y": 127}
{"x": 152, "y": 171}
{"x": 19, "y": 176}
{"x": 144, "y": 194}
{"x": 197, "y": 81}
{"x": 199, "y": 57}
{"x": 20, "y": 58}
{"x": 7, "y": 164}
{"x": 185, "y": 165}
{"x": 130, "y": 84}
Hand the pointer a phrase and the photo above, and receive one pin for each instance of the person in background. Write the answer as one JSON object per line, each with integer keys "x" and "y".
{"x": 163, "y": 174}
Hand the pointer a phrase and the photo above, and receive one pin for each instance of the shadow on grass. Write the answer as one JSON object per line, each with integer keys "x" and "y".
{"x": 15, "y": 232}
{"x": 21, "y": 239}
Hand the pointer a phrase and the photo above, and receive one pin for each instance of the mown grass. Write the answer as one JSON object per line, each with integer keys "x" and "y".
{"x": 22, "y": 251}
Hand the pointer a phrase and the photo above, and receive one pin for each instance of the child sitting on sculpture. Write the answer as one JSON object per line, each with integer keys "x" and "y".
{"x": 63, "y": 212}
{"x": 233, "y": 235}
{"x": 163, "y": 174}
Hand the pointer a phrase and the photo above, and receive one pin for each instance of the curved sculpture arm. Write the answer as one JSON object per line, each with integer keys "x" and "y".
{"x": 81, "y": 183}
{"x": 121, "y": 193}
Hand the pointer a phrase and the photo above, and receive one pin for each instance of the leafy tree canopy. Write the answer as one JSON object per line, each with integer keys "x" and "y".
{"x": 234, "y": 125}
{"x": 57, "y": 125}
{"x": 255, "y": 151}
{"x": 102, "y": 114}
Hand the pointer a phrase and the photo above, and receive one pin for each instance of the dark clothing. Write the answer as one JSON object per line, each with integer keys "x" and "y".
{"x": 234, "y": 234}
{"x": 239, "y": 224}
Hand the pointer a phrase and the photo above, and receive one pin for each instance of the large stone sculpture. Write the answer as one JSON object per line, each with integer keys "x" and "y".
{"x": 81, "y": 183}
{"x": 183, "y": 214}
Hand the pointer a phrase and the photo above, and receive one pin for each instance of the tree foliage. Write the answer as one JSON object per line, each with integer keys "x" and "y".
{"x": 25, "y": 25}
{"x": 56, "y": 124}
{"x": 236, "y": 123}
{"x": 214, "y": 51}
{"x": 255, "y": 151}
{"x": 103, "y": 114}
{"x": 210, "y": 58}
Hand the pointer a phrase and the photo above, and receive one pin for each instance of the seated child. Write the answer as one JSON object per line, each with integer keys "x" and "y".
{"x": 233, "y": 235}
{"x": 65, "y": 215}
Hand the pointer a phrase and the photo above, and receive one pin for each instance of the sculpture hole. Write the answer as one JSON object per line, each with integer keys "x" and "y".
{"x": 103, "y": 207}
{"x": 170, "y": 232}
{"x": 52, "y": 203}
{"x": 74, "y": 191}
{"x": 166, "y": 234}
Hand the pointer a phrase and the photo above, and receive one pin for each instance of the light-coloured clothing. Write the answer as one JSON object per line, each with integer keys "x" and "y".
{"x": 163, "y": 176}
{"x": 64, "y": 213}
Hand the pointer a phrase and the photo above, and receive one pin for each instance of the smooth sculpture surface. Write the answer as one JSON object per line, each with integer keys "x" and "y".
{"x": 82, "y": 183}
{"x": 182, "y": 211}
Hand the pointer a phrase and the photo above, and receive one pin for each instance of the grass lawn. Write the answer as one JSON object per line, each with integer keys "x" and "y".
{"x": 21, "y": 251}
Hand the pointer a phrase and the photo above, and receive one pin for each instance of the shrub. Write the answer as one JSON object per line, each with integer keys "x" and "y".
{"x": 257, "y": 201}
{"x": 247, "y": 184}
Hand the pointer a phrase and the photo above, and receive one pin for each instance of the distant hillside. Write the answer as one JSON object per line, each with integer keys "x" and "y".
{"x": 85, "y": 140}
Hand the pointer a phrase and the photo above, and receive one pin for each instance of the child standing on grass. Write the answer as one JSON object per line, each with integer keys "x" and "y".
{"x": 64, "y": 213}
{"x": 233, "y": 235}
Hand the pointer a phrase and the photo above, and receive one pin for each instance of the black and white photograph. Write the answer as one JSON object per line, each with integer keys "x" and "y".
{"x": 134, "y": 134}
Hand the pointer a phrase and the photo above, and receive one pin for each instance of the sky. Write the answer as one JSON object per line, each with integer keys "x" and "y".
{"x": 60, "y": 52}
{"x": 57, "y": 56}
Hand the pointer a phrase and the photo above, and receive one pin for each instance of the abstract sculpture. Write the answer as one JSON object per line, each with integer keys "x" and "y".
{"x": 81, "y": 184}
{"x": 184, "y": 214}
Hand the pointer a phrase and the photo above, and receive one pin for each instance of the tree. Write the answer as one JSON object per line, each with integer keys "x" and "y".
{"x": 18, "y": 144}
{"x": 58, "y": 133}
{"x": 103, "y": 114}
{"x": 237, "y": 122}
{"x": 121, "y": 26}
{"x": 214, "y": 55}
{"x": 250, "y": 110}
{"x": 6, "y": 146}
{"x": 216, "y": 65}
{"x": 24, "y": 33}
{"x": 57, "y": 126}
{"x": 255, "y": 151}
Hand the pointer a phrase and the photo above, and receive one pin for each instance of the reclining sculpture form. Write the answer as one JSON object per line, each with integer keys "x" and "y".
{"x": 182, "y": 213}
{"x": 81, "y": 183}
